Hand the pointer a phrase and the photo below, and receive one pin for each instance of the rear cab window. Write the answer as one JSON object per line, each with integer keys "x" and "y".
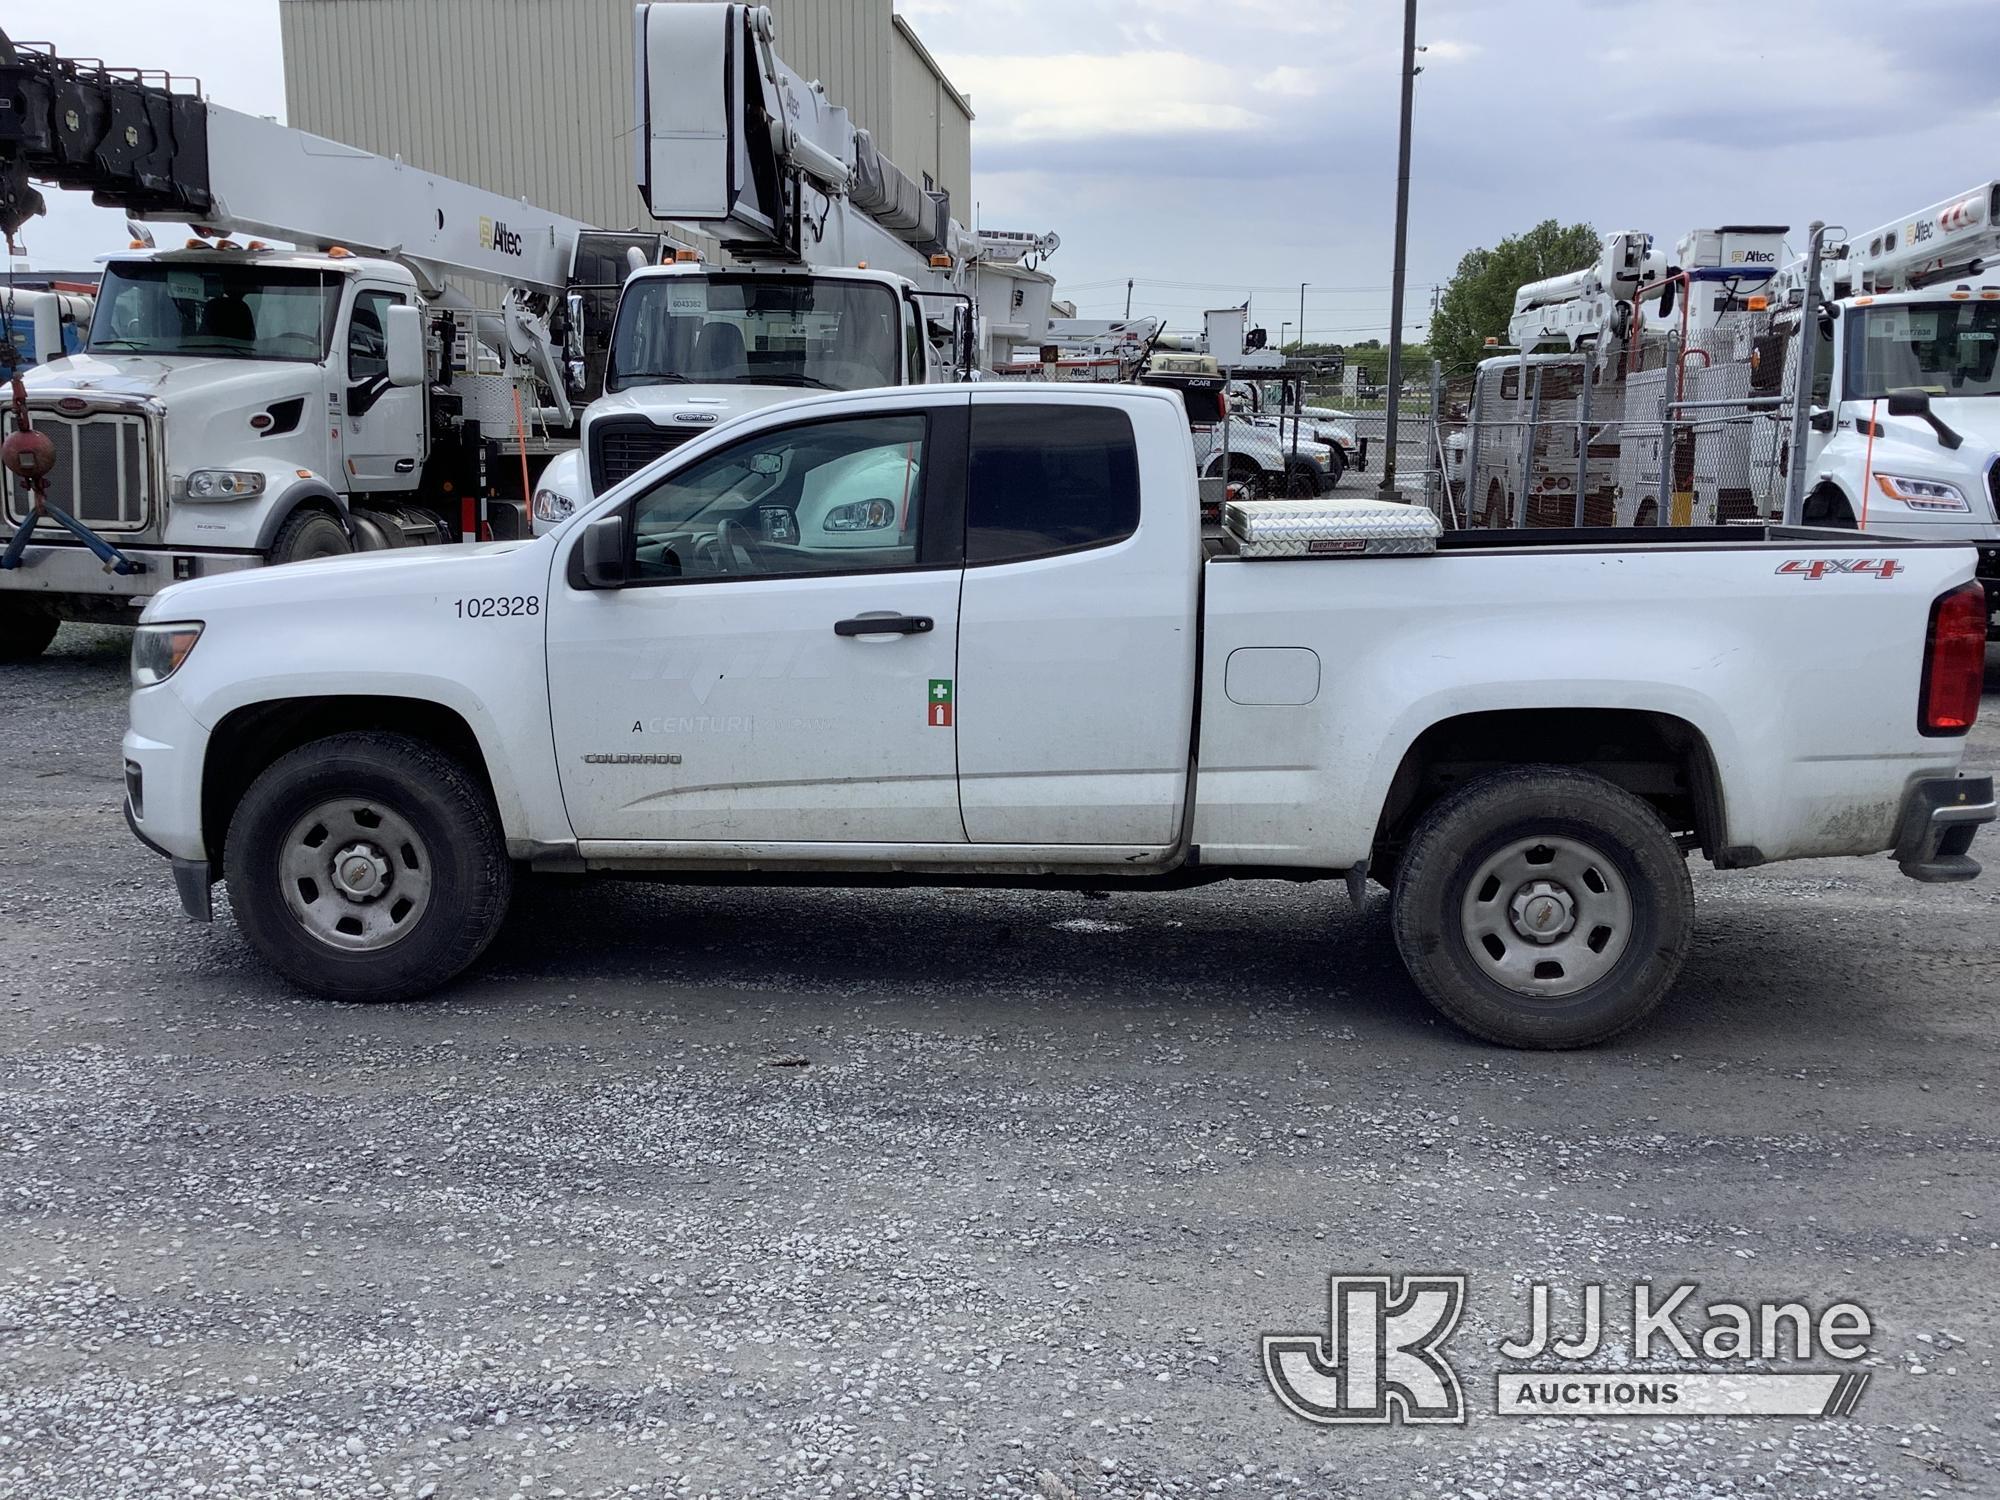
{"x": 1048, "y": 479}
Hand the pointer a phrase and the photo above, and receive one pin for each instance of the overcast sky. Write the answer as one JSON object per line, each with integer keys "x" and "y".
{"x": 1217, "y": 148}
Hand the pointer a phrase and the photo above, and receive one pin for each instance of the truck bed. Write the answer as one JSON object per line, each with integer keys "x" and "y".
{"x": 1801, "y": 684}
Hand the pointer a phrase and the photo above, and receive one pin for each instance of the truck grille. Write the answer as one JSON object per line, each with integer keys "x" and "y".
{"x": 103, "y": 464}
{"x": 621, "y": 446}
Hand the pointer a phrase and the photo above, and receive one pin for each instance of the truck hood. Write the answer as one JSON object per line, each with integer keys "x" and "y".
{"x": 1908, "y": 447}
{"x": 668, "y": 405}
{"x": 146, "y": 376}
{"x": 315, "y": 594}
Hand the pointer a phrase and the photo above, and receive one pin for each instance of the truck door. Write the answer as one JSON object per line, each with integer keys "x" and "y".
{"x": 382, "y": 438}
{"x": 1076, "y": 652}
{"x": 780, "y": 667}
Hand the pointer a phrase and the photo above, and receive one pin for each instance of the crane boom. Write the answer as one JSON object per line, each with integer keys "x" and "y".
{"x": 732, "y": 139}
{"x": 136, "y": 141}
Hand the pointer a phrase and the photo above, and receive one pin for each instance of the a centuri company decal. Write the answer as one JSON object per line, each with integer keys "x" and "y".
{"x": 1814, "y": 568}
{"x": 1381, "y": 1357}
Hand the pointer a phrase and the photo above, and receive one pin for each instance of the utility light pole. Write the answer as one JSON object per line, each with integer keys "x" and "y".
{"x": 1410, "y": 71}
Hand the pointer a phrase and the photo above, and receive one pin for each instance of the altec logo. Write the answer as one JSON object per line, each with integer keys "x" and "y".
{"x": 495, "y": 235}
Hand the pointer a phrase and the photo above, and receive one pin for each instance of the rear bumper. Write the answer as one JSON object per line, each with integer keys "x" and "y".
{"x": 1940, "y": 816}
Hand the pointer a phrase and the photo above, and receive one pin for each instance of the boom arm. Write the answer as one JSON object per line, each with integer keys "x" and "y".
{"x": 732, "y": 139}
{"x": 134, "y": 142}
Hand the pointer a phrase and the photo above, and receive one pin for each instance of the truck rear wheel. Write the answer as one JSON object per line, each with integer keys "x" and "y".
{"x": 1251, "y": 482}
{"x": 25, "y": 633}
{"x": 1543, "y": 907}
{"x": 367, "y": 866}
{"x": 308, "y": 534}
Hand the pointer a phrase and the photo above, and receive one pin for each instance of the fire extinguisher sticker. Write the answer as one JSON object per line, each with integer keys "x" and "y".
{"x": 937, "y": 703}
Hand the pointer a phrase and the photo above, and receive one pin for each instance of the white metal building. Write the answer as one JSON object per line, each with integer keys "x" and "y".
{"x": 534, "y": 97}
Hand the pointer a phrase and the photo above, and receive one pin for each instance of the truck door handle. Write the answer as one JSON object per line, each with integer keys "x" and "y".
{"x": 884, "y": 625}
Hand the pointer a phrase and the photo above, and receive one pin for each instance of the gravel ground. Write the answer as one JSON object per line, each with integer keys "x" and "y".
{"x": 741, "y": 1192}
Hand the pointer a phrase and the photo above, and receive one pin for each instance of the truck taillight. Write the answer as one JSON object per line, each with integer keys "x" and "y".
{"x": 1954, "y": 662}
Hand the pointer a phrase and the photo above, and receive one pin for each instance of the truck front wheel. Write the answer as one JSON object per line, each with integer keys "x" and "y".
{"x": 367, "y": 866}
{"x": 1543, "y": 907}
{"x": 25, "y": 633}
{"x": 309, "y": 533}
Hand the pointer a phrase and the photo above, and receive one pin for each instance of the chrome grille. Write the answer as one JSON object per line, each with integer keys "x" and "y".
{"x": 102, "y": 466}
{"x": 621, "y": 446}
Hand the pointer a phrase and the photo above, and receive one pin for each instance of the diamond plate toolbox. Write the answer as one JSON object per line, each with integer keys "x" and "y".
{"x": 1330, "y": 528}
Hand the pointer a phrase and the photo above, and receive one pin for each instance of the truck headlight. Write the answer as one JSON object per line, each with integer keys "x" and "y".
{"x": 224, "y": 484}
{"x": 159, "y": 650}
{"x": 1922, "y": 494}
{"x": 553, "y": 505}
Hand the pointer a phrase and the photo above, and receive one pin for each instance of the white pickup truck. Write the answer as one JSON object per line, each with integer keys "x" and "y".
{"x": 967, "y": 634}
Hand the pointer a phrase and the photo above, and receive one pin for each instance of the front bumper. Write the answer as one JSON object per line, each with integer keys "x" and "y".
{"x": 68, "y": 569}
{"x": 191, "y": 876}
{"x": 1940, "y": 816}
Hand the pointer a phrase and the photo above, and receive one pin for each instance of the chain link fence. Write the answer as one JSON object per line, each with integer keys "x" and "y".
{"x": 1682, "y": 428}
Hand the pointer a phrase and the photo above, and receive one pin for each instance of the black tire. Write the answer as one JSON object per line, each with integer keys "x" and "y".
{"x": 1250, "y": 480}
{"x": 307, "y": 534}
{"x": 1477, "y": 826}
{"x": 467, "y": 877}
{"x": 25, "y": 633}
{"x": 1336, "y": 467}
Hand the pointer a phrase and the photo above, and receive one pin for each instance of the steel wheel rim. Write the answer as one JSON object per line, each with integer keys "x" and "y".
{"x": 1546, "y": 916}
{"x": 355, "y": 874}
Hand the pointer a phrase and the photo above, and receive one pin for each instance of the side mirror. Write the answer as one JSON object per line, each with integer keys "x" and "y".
{"x": 602, "y": 551}
{"x": 1821, "y": 420}
{"x": 1908, "y": 402}
{"x": 403, "y": 336}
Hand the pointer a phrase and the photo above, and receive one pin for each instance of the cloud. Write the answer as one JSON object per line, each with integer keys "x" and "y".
{"x": 1069, "y": 95}
{"x": 1292, "y": 83}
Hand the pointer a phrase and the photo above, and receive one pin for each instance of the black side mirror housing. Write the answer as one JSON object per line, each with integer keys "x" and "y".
{"x": 1822, "y": 419}
{"x": 601, "y": 553}
{"x": 1908, "y": 402}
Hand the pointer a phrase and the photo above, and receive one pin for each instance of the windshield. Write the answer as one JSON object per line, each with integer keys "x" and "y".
{"x": 817, "y": 332}
{"x": 218, "y": 311}
{"x": 1945, "y": 348}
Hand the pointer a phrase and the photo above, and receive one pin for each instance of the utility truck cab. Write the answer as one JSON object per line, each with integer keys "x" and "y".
{"x": 696, "y": 345}
{"x": 1923, "y": 369}
{"x": 231, "y": 403}
{"x": 238, "y": 404}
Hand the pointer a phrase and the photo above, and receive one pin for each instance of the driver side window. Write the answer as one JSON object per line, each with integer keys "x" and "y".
{"x": 842, "y": 496}
{"x": 367, "y": 345}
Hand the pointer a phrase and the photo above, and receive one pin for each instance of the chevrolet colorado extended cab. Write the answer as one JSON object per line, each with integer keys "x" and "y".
{"x": 974, "y": 634}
